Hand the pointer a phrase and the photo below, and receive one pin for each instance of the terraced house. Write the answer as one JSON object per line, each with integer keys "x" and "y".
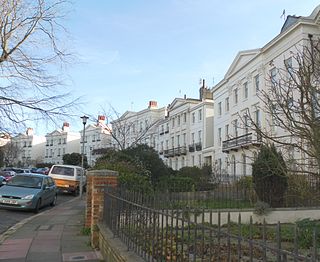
{"x": 241, "y": 98}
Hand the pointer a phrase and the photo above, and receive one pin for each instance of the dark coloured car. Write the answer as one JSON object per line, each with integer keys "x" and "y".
{"x": 28, "y": 192}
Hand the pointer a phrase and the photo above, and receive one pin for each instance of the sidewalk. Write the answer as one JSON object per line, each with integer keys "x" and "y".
{"x": 50, "y": 236}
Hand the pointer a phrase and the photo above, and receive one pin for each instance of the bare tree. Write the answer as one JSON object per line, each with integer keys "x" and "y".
{"x": 291, "y": 102}
{"x": 125, "y": 130}
{"x": 32, "y": 59}
{"x": 10, "y": 153}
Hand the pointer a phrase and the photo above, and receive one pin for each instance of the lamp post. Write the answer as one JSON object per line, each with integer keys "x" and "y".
{"x": 84, "y": 122}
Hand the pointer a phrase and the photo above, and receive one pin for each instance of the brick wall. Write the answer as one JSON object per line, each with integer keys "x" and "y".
{"x": 96, "y": 182}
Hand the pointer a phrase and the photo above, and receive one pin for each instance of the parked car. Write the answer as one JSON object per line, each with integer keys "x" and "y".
{"x": 42, "y": 170}
{"x": 68, "y": 178}
{"x": 28, "y": 192}
{"x": 8, "y": 174}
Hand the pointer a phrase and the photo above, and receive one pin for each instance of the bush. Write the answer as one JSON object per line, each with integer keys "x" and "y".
{"x": 269, "y": 174}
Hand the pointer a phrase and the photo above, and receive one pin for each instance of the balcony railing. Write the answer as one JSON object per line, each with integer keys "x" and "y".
{"x": 241, "y": 142}
{"x": 198, "y": 146}
{"x": 177, "y": 151}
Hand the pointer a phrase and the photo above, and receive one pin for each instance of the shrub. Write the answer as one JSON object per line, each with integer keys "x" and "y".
{"x": 269, "y": 174}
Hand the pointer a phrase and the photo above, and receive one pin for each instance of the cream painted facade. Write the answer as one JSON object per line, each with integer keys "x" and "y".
{"x": 60, "y": 142}
{"x": 185, "y": 135}
{"x": 237, "y": 95}
{"x": 138, "y": 127}
{"x": 97, "y": 137}
{"x": 28, "y": 147}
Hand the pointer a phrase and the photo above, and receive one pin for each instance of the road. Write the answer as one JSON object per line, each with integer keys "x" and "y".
{"x": 8, "y": 218}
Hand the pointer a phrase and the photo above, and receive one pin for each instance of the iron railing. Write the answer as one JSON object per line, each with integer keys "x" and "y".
{"x": 158, "y": 231}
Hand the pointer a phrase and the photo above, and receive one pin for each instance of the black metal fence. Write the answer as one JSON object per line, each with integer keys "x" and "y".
{"x": 156, "y": 229}
{"x": 238, "y": 192}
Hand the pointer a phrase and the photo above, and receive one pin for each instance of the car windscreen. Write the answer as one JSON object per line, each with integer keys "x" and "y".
{"x": 26, "y": 181}
{"x": 62, "y": 170}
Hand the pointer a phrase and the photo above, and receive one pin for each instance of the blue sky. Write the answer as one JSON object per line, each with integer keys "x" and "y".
{"x": 133, "y": 51}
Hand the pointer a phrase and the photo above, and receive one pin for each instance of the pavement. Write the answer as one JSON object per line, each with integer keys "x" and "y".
{"x": 54, "y": 235}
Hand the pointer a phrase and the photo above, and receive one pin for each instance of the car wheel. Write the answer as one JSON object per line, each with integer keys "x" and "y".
{"x": 38, "y": 205}
{"x": 54, "y": 201}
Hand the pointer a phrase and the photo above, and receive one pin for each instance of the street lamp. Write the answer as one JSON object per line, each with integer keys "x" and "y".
{"x": 84, "y": 122}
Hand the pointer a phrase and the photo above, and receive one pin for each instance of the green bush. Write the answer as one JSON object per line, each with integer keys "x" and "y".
{"x": 269, "y": 174}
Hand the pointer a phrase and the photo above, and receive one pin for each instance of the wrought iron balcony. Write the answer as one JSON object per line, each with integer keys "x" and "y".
{"x": 177, "y": 151}
{"x": 243, "y": 141}
{"x": 198, "y": 146}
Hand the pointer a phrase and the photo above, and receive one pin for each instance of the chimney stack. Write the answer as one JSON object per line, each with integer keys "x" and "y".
{"x": 29, "y": 131}
{"x": 153, "y": 104}
{"x": 101, "y": 119}
{"x": 65, "y": 127}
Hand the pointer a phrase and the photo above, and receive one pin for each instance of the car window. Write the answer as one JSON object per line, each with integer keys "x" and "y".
{"x": 26, "y": 181}
{"x": 62, "y": 170}
{"x": 51, "y": 181}
{"x": 46, "y": 182}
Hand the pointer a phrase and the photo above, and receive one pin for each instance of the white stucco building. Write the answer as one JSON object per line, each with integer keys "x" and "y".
{"x": 27, "y": 149}
{"x": 60, "y": 142}
{"x": 138, "y": 127}
{"x": 185, "y": 136}
{"x": 97, "y": 138}
{"x": 237, "y": 95}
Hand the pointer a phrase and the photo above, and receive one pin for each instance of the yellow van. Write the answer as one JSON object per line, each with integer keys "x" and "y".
{"x": 68, "y": 177}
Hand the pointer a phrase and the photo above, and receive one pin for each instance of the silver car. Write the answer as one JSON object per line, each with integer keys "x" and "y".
{"x": 28, "y": 192}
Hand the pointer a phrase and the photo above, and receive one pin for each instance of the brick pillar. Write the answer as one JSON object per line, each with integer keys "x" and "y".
{"x": 96, "y": 182}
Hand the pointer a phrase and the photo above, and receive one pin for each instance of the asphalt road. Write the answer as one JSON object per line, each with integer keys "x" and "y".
{"x": 8, "y": 218}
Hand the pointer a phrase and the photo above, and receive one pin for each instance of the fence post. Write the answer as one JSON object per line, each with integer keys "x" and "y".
{"x": 96, "y": 182}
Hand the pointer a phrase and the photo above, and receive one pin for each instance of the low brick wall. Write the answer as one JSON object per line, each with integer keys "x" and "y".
{"x": 113, "y": 249}
{"x": 96, "y": 182}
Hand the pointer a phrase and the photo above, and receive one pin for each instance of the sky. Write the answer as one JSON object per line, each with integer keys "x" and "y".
{"x": 132, "y": 51}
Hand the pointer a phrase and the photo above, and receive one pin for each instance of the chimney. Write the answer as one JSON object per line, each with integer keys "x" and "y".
{"x": 205, "y": 92}
{"x": 65, "y": 127}
{"x": 101, "y": 119}
{"x": 153, "y": 104}
{"x": 29, "y": 131}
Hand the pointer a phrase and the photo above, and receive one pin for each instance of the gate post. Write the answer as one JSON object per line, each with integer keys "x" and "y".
{"x": 96, "y": 182}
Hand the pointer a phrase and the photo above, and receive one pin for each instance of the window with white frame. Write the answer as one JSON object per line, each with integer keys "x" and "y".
{"x": 178, "y": 140}
{"x": 273, "y": 77}
{"x": 219, "y": 108}
{"x": 235, "y": 96}
{"x": 244, "y": 164}
{"x": 245, "y": 90}
{"x": 227, "y": 131}
{"x": 257, "y": 117}
{"x": 227, "y": 105}
{"x": 233, "y": 165}
{"x": 193, "y": 118}
{"x": 219, "y": 137}
{"x": 199, "y": 160}
{"x": 257, "y": 83}
{"x": 179, "y": 119}
{"x": 235, "y": 128}
{"x": 246, "y": 123}
{"x": 172, "y": 142}
{"x": 184, "y": 139}
{"x": 200, "y": 114}
{"x": 192, "y": 137}
{"x": 184, "y": 117}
